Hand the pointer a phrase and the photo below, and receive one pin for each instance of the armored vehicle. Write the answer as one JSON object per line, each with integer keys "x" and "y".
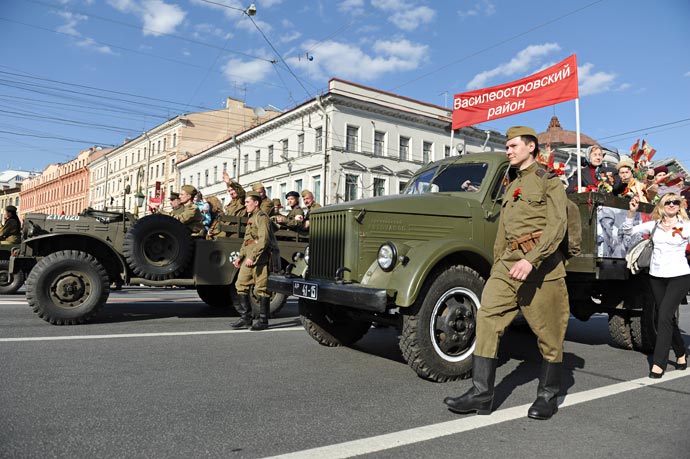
{"x": 73, "y": 260}
{"x": 418, "y": 261}
{"x": 9, "y": 282}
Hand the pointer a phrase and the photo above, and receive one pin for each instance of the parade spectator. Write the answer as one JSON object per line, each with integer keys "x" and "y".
{"x": 669, "y": 274}
{"x": 594, "y": 174}
{"x": 216, "y": 211}
{"x": 204, "y": 209}
{"x": 235, "y": 207}
{"x": 10, "y": 232}
{"x": 629, "y": 186}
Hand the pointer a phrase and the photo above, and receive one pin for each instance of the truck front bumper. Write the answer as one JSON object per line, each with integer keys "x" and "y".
{"x": 350, "y": 295}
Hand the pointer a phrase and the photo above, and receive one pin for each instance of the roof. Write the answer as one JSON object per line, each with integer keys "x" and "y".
{"x": 556, "y": 135}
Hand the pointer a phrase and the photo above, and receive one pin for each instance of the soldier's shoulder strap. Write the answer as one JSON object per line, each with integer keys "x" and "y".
{"x": 541, "y": 172}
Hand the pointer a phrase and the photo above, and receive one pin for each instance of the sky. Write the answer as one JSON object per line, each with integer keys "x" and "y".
{"x": 78, "y": 73}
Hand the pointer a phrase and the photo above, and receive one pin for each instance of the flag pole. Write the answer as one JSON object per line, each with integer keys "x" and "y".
{"x": 452, "y": 133}
{"x": 577, "y": 140}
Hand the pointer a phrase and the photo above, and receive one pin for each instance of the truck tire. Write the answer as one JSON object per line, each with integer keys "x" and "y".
{"x": 9, "y": 283}
{"x": 438, "y": 338}
{"x": 278, "y": 300}
{"x": 157, "y": 247}
{"x": 67, "y": 287}
{"x": 330, "y": 326}
{"x": 217, "y": 296}
{"x": 643, "y": 317}
{"x": 619, "y": 330}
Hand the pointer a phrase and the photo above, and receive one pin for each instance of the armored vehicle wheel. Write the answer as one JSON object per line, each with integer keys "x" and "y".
{"x": 157, "y": 247}
{"x": 330, "y": 326}
{"x": 9, "y": 283}
{"x": 619, "y": 330}
{"x": 278, "y": 300}
{"x": 217, "y": 296}
{"x": 67, "y": 287}
{"x": 438, "y": 337}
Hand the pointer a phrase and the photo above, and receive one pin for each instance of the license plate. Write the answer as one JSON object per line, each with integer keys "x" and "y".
{"x": 305, "y": 290}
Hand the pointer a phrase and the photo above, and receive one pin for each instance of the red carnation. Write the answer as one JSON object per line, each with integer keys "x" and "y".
{"x": 517, "y": 194}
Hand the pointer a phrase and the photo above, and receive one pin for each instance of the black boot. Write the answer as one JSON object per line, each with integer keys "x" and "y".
{"x": 244, "y": 309}
{"x": 546, "y": 404}
{"x": 480, "y": 397}
{"x": 264, "y": 307}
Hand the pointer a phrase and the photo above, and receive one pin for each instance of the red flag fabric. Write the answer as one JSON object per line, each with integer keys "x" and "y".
{"x": 553, "y": 85}
{"x": 648, "y": 150}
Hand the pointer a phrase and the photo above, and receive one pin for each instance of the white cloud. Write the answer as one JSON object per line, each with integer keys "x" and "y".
{"x": 406, "y": 16}
{"x": 687, "y": 74}
{"x": 91, "y": 44}
{"x": 523, "y": 60}
{"x": 484, "y": 7}
{"x": 72, "y": 20}
{"x": 239, "y": 71}
{"x": 334, "y": 59}
{"x": 158, "y": 17}
{"x": 354, "y": 7}
{"x": 269, "y": 3}
{"x": 594, "y": 82}
{"x": 290, "y": 36}
{"x": 623, "y": 87}
{"x": 203, "y": 31}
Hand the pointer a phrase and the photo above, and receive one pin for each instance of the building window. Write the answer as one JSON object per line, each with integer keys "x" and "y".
{"x": 426, "y": 152}
{"x": 172, "y": 165}
{"x": 379, "y": 187}
{"x": 351, "y": 189}
{"x": 283, "y": 190}
{"x": 198, "y": 179}
{"x": 270, "y": 155}
{"x": 174, "y": 142}
{"x": 317, "y": 186}
{"x": 165, "y": 140}
{"x": 300, "y": 144}
{"x": 184, "y": 181}
{"x": 257, "y": 164}
{"x": 401, "y": 187}
{"x": 246, "y": 163}
{"x": 379, "y": 143}
{"x": 215, "y": 174}
{"x": 157, "y": 171}
{"x": 191, "y": 179}
{"x": 298, "y": 185}
{"x": 352, "y": 138}
{"x": 159, "y": 146}
{"x": 285, "y": 154}
{"x": 319, "y": 139}
{"x": 269, "y": 192}
{"x": 206, "y": 177}
{"x": 225, "y": 167}
{"x": 235, "y": 169}
{"x": 446, "y": 151}
{"x": 404, "y": 148}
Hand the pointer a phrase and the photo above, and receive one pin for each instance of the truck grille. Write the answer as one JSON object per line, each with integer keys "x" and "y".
{"x": 326, "y": 244}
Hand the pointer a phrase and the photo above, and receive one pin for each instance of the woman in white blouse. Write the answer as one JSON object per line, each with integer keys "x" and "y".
{"x": 669, "y": 273}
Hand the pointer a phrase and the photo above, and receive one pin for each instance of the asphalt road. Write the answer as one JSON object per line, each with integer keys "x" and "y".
{"x": 159, "y": 374}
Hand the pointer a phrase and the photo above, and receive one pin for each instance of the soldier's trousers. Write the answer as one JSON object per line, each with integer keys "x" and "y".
{"x": 257, "y": 276}
{"x": 544, "y": 305}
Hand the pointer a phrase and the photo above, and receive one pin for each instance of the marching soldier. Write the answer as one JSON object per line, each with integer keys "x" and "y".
{"x": 188, "y": 212}
{"x": 10, "y": 231}
{"x": 266, "y": 204}
{"x": 528, "y": 274}
{"x": 310, "y": 204}
{"x": 235, "y": 207}
{"x": 253, "y": 263}
{"x": 295, "y": 217}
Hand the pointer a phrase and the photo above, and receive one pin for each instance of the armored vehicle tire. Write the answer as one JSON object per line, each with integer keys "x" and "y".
{"x": 619, "y": 330}
{"x": 329, "y": 325}
{"x": 9, "y": 283}
{"x": 217, "y": 296}
{"x": 278, "y": 300}
{"x": 438, "y": 336}
{"x": 157, "y": 247}
{"x": 67, "y": 287}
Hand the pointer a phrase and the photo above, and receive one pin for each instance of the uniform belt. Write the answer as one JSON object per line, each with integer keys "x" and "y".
{"x": 250, "y": 241}
{"x": 526, "y": 242}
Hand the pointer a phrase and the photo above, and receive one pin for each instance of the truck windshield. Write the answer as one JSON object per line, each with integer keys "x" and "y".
{"x": 457, "y": 177}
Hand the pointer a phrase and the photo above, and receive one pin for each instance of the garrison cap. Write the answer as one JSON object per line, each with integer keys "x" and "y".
{"x": 292, "y": 194}
{"x": 11, "y": 209}
{"x": 189, "y": 189}
{"x": 625, "y": 163}
{"x": 253, "y": 194}
{"x": 520, "y": 130}
{"x": 174, "y": 196}
{"x": 660, "y": 169}
{"x": 276, "y": 203}
{"x": 306, "y": 192}
{"x": 257, "y": 186}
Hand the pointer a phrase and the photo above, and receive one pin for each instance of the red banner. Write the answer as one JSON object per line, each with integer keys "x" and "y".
{"x": 550, "y": 86}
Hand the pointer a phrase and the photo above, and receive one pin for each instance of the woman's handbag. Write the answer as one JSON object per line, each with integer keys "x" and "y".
{"x": 639, "y": 256}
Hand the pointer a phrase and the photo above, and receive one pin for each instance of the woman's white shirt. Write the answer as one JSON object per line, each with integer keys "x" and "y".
{"x": 668, "y": 257}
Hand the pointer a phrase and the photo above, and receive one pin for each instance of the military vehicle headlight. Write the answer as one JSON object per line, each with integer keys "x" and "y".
{"x": 30, "y": 229}
{"x": 306, "y": 255}
{"x": 386, "y": 256}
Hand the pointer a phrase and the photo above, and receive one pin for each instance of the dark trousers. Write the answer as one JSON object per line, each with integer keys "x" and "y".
{"x": 668, "y": 292}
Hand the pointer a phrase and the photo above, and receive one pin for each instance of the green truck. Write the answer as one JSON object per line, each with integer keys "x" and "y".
{"x": 418, "y": 261}
{"x": 9, "y": 282}
{"x": 73, "y": 260}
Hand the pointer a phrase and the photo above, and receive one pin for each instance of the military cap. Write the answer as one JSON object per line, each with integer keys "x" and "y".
{"x": 253, "y": 194}
{"x": 520, "y": 130}
{"x": 277, "y": 203}
{"x": 174, "y": 195}
{"x": 292, "y": 194}
{"x": 660, "y": 169}
{"x": 305, "y": 192}
{"x": 257, "y": 186}
{"x": 189, "y": 189}
{"x": 11, "y": 209}
{"x": 625, "y": 163}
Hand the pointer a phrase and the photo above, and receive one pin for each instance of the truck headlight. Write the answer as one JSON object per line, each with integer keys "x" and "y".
{"x": 386, "y": 256}
{"x": 306, "y": 255}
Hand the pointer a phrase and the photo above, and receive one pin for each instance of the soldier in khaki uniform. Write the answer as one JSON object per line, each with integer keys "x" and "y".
{"x": 528, "y": 275}
{"x": 237, "y": 194}
{"x": 266, "y": 204}
{"x": 295, "y": 217}
{"x": 188, "y": 212}
{"x": 10, "y": 231}
{"x": 175, "y": 203}
{"x": 253, "y": 263}
{"x": 310, "y": 204}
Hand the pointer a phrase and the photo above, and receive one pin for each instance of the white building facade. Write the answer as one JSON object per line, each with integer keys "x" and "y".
{"x": 352, "y": 142}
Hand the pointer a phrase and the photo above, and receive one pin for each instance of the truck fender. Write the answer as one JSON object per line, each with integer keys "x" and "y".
{"x": 407, "y": 278}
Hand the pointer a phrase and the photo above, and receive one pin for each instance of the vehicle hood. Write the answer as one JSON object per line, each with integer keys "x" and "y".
{"x": 437, "y": 204}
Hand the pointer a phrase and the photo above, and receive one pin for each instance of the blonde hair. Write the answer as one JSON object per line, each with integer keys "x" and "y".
{"x": 216, "y": 205}
{"x": 659, "y": 211}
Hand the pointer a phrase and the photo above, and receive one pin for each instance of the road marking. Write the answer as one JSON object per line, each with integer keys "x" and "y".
{"x": 429, "y": 432}
{"x": 144, "y": 335}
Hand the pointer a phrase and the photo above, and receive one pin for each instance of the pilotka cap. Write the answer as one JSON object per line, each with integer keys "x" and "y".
{"x": 520, "y": 130}
{"x": 257, "y": 186}
{"x": 189, "y": 189}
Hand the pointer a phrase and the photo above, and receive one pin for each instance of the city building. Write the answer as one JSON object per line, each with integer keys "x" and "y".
{"x": 10, "y": 186}
{"x": 351, "y": 142}
{"x": 148, "y": 163}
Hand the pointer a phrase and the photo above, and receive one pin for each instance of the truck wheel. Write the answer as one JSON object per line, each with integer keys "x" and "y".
{"x": 67, "y": 287}
{"x": 438, "y": 339}
{"x": 278, "y": 300}
{"x": 217, "y": 296}
{"x": 330, "y": 326}
{"x": 643, "y": 318}
{"x": 9, "y": 283}
{"x": 157, "y": 247}
{"x": 619, "y": 330}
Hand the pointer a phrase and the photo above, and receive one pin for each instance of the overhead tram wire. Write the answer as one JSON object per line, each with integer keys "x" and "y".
{"x": 63, "y": 139}
{"x": 496, "y": 45}
{"x": 645, "y": 129}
